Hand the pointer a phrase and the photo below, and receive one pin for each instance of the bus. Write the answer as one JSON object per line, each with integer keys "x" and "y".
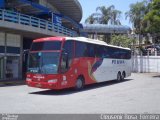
{"x": 65, "y": 62}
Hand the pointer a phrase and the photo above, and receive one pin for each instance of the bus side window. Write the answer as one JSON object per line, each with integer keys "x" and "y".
{"x": 99, "y": 51}
{"x": 91, "y": 50}
{"x": 81, "y": 49}
{"x": 67, "y": 55}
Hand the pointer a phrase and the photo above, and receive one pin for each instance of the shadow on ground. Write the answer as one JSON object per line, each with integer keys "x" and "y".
{"x": 156, "y": 76}
{"x": 72, "y": 91}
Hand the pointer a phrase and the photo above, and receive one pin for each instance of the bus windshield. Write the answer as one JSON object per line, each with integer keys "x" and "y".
{"x": 44, "y": 62}
{"x": 47, "y": 45}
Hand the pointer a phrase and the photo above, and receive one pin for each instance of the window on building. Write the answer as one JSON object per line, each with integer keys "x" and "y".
{"x": 1, "y": 67}
{"x": 12, "y": 65}
{"x": 13, "y": 43}
{"x": 2, "y": 42}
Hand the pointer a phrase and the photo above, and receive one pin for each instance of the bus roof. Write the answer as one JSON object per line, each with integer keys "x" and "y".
{"x": 49, "y": 39}
{"x": 93, "y": 41}
{"x": 81, "y": 39}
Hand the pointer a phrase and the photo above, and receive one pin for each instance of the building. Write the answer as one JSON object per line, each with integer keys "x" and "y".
{"x": 21, "y": 21}
{"x": 99, "y": 30}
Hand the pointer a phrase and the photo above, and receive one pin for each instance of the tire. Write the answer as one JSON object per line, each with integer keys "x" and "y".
{"x": 119, "y": 77}
{"x": 123, "y": 75}
{"x": 79, "y": 83}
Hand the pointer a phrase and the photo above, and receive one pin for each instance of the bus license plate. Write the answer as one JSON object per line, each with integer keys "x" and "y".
{"x": 38, "y": 85}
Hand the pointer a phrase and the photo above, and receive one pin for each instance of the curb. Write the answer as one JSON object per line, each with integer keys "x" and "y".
{"x": 5, "y": 83}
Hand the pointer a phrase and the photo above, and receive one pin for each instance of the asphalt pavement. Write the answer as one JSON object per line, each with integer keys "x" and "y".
{"x": 139, "y": 93}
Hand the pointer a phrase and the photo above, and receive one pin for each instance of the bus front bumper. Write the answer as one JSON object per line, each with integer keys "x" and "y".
{"x": 43, "y": 85}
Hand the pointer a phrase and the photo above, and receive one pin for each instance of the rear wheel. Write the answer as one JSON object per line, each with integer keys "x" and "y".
{"x": 119, "y": 77}
{"x": 123, "y": 75}
{"x": 79, "y": 83}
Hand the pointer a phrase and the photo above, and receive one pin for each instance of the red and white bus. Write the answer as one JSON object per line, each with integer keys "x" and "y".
{"x": 64, "y": 62}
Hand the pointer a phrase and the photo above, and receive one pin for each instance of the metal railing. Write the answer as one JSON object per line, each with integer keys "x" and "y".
{"x": 146, "y": 53}
{"x": 14, "y": 17}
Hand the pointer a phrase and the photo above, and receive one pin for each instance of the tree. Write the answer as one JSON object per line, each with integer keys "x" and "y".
{"x": 121, "y": 40}
{"x": 115, "y": 17}
{"x": 109, "y": 14}
{"x": 136, "y": 15}
{"x": 105, "y": 15}
{"x": 153, "y": 17}
{"x": 90, "y": 19}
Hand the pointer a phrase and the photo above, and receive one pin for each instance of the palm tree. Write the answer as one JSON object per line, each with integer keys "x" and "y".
{"x": 109, "y": 15}
{"x": 136, "y": 15}
{"x": 90, "y": 19}
{"x": 105, "y": 15}
{"x": 115, "y": 17}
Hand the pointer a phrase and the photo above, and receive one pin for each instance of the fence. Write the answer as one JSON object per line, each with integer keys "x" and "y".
{"x": 14, "y": 17}
{"x": 145, "y": 64}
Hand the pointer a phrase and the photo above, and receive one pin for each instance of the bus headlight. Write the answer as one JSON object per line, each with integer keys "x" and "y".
{"x": 52, "y": 81}
{"x": 28, "y": 79}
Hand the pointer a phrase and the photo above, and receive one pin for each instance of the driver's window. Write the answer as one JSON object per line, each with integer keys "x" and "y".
{"x": 67, "y": 55}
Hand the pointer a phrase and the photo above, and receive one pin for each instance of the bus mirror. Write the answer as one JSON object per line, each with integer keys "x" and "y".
{"x": 26, "y": 51}
{"x": 25, "y": 55}
{"x": 65, "y": 58}
{"x": 65, "y": 55}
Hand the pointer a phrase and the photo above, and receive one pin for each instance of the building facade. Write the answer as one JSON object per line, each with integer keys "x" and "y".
{"x": 21, "y": 21}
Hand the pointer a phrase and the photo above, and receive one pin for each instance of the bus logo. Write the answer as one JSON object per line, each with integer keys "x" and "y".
{"x": 118, "y": 62}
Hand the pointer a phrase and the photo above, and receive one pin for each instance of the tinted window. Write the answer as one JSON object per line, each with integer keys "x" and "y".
{"x": 68, "y": 48}
{"x": 47, "y": 45}
{"x": 13, "y": 50}
{"x": 99, "y": 51}
{"x": 111, "y": 52}
{"x": 102, "y": 51}
{"x": 81, "y": 49}
{"x": 118, "y": 53}
{"x": 67, "y": 55}
{"x": 43, "y": 62}
{"x": 2, "y": 49}
{"x": 90, "y": 50}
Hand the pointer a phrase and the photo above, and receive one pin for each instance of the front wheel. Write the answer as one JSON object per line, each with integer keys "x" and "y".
{"x": 79, "y": 83}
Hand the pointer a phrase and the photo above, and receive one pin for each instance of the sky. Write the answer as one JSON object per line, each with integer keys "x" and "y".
{"x": 89, "y": 7}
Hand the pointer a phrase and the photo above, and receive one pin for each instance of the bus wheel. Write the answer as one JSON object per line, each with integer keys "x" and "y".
{"x": 123, "y": 75}
{"x": 79, "y": 83}
{"x": 119, "y": 77}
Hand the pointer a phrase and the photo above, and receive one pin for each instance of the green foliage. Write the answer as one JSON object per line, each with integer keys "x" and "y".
{"x": 106, "y": 15}
{"x": 153, "y": 17}
{"x": 109, "y": 14}
{"x": 121, "y": 40}
{"x": 90, "y": 19}
{"x": 136, "y": 15}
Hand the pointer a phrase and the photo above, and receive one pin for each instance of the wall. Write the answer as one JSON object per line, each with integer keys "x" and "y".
{"x": 48, "y": 5}
{"x": 146, "y": 64}
{"x": 10, "y": 55}
{"x": 2, "y": 3}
